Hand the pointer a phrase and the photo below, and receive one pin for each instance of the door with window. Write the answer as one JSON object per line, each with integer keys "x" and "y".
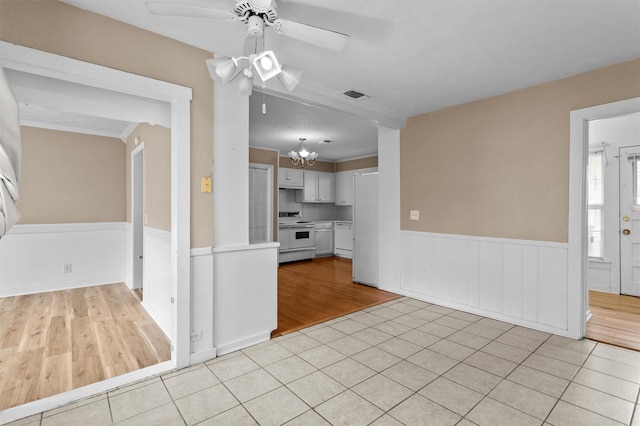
{"x": 630, "y": 221}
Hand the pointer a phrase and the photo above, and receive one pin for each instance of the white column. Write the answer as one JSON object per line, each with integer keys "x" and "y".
{"x": 230, "y": 167}
{"x": 245, "y": 277}
{"x": 389, "y": 209}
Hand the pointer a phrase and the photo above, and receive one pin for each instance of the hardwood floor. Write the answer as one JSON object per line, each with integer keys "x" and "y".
{"x": 615, "y": 320}
{"x": 57, "y": 341}
{"x": 311, "y": 292}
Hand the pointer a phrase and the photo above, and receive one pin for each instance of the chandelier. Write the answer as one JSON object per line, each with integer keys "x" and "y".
{"x": 239, "y": 72}
{"x": 303, "y": 156}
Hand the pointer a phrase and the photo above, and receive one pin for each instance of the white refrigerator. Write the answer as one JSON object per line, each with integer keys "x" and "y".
{"x": 365, "y": 229}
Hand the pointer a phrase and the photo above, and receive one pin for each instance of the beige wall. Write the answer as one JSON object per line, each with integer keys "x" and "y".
{"x": 157, "y": 179}
{"x": 71, "y": 178}
{"x": 267, "y": 156}
{"x": 499, "y": 167}
{"x": 360, "y": 163}
{"x": 58, "y": 28}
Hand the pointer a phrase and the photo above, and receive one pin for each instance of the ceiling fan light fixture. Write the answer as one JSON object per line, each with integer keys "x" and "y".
{"x": 289, "y": 77}
{"x": 222, "y": 68}
{"x": 266, "y": 65}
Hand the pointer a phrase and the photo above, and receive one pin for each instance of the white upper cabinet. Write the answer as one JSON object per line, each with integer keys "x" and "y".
{"x": 290, "y": 178}
{"x": 318, "y": 188}
{"x": 344, "y": 188}
{"x": 344, "y": 185}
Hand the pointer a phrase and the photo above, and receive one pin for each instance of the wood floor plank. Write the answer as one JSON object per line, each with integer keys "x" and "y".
{"x": 114, "y": 352}
{"x": 86, "y": 371}
{"x": 314, "y": 291}
{"x": 35, "y": 331}
{"x": 158, "y": 340}
{"x": 97, "y": 307}
{"x": 22, "y": 384}
{"x": 12, "y": 324}
{"x": 78, "y": 303}
{"x": 55, "y": 375}
{"x": 59, "y": 336}
{"x": 62, "y": 304}
{"x": 143, "y": 351}
{"x": 615, "y": 319}
{"x": 8, "y": 303}
{"x": 7, "y": 357}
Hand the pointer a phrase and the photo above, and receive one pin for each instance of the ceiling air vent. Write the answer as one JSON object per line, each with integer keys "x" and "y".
{"x": 354, "y": 94}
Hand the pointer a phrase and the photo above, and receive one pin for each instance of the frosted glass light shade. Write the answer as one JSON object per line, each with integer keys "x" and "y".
{"x": 242, "y": 83}
{"x": 289, "y": 77}
{"x": 222, "y": 68}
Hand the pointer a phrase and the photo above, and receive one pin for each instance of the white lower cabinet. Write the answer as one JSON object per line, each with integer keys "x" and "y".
{"x": 343, "y": 239}
{"x": 324, "y": 239}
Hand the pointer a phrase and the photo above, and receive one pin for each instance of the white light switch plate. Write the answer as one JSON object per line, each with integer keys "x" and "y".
{"x": 414, "y": 214}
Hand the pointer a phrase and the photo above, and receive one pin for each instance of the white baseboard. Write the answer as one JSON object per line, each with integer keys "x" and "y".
{"x": 243, "y": 343}
{"x": 202, "y": 356}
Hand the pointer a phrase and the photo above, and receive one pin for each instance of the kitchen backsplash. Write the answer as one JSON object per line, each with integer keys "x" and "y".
{"x": 312, "y": 211}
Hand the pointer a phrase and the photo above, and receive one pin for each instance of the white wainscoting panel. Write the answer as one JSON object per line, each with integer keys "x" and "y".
{"x": 157, "y": 289}
{"x": 519, "y": 281}
{"x": 245, "y": 298}
{"x": 202, "y": 349}
{"x": 32, "y": 257}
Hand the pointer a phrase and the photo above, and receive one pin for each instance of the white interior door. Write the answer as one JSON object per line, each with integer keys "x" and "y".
{"x": 365, "y": 229}
{"x": 630, "y": 221}
{"x": 260, "y": 202}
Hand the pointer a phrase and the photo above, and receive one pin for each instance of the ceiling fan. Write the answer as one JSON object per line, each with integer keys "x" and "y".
{"x": 257, "y": 14}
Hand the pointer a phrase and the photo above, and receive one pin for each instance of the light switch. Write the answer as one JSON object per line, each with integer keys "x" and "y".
{"x": 205, "y": 185}
{"x": 414, "y": 214}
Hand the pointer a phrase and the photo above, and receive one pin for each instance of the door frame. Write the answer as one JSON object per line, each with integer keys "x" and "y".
{"x": 178, "y": 98}
{"x": 578, "y": 295}
{"x": 137, "y": 216}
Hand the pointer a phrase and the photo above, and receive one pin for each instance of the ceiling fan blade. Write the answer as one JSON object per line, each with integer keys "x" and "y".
{"x": 318, "y": 36}
{"x": 171, "y": 9}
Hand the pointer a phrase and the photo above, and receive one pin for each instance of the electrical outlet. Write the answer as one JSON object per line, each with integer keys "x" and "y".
{"x": 414, "y": 214}
{"x": 67, "y": 268}
{"x": 196, "y": 335}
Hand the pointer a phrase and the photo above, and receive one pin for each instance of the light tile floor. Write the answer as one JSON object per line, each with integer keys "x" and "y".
{"x": 403, "y": 362}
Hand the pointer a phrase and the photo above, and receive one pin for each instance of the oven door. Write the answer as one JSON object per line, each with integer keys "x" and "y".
{"x": 303, "y": 237}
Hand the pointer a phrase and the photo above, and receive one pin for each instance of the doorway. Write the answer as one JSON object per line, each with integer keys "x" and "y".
{"x": 137, "y": 219}
{"x": 175, "y": 101}
{"x": 613, "y": 236}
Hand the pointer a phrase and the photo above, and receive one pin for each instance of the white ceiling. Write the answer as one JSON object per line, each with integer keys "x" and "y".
{"x": 408, "y": 56}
